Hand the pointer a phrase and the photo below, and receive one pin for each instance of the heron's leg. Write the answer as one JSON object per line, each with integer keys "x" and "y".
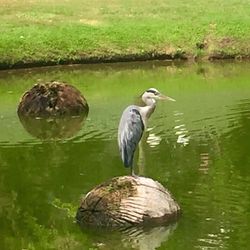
{"x": 141, "y": 159}
{"x": 141, "y": 155}
{"x": 132, "y": 172}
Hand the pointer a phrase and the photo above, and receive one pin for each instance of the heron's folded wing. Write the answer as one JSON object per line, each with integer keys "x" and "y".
{"x": 130, "y": 132}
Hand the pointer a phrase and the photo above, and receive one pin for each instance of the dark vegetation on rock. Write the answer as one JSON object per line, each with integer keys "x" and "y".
{"x": 52, "y": 99}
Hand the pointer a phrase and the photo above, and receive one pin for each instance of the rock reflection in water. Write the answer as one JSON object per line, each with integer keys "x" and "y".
{"x": 141, "y": 238}
{"x": 53, "y": 127}
{"x": 147, "y": 239}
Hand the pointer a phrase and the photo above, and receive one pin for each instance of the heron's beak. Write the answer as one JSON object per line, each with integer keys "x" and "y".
{"x": 164, "y": 97}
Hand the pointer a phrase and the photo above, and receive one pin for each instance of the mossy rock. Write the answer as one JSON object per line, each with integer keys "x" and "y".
{"x": 126, "y": 201}
{"x": 52, "y": 99}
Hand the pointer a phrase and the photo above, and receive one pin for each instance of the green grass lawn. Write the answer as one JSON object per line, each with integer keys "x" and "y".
{"x": 57, "y": 31}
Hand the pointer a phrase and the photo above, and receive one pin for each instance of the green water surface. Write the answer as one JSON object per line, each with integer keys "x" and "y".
{"x": 198, "y": 147}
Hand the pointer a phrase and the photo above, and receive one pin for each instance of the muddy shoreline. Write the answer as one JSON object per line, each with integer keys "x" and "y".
{"x": 123, "y": 58}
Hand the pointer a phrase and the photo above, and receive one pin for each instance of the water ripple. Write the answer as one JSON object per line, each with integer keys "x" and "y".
{"x": 182, "y": 132}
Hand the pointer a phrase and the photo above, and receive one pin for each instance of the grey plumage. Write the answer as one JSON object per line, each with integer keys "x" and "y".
{"x": 133, "y": 122}
{"x": 131, "y": 128}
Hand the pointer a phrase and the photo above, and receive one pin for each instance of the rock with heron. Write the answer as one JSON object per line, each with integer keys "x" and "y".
{"x": 130, "y": 200}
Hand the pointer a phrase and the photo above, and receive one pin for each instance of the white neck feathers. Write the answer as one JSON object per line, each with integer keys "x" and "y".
{"x": 147, "y": 110}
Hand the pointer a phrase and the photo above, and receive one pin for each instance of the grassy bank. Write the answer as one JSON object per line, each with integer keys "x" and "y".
{"x": 51, "y": 31}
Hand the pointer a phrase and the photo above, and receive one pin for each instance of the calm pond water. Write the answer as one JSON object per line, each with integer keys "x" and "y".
{"x": 197, "y": 147}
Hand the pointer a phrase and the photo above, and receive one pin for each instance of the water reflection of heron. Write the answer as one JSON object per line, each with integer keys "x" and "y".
{"x": 133, "y": 122}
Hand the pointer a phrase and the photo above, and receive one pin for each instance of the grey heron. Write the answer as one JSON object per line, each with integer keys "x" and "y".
{"x": 133, "y": 122}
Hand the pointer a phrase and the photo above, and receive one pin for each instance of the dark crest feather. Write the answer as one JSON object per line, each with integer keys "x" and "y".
{"x": 151, "y": 91}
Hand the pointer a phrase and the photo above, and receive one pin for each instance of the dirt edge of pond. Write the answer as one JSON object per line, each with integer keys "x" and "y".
{"x": 150, "y": 56}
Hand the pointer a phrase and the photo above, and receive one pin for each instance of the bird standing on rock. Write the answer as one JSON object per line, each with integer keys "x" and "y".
{"x": 133, "y": 122}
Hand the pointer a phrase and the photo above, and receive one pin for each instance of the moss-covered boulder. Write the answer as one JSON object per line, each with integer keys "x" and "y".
{"x": 52, "y": 99}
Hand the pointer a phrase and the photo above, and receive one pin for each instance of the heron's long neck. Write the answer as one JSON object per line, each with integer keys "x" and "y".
{"x": 148, "y": 109}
